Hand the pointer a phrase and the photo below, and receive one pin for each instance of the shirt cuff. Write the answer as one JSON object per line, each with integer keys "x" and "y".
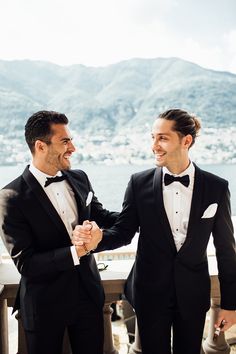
{"x": 74, "y": 255}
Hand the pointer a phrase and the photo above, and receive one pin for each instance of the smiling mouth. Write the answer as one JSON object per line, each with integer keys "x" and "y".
{"x": 160, "y": 155}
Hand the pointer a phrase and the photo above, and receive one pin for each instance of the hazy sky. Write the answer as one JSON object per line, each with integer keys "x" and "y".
{"x": 101, "y": 32}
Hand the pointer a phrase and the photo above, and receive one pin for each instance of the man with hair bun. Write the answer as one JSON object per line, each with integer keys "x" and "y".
{"x": 176, "y": 206}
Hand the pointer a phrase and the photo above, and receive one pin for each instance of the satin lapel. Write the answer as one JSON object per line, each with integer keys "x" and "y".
{"x": 158, "y": 196}
{"x": 80, "y": 199}
{"x": 43, "y": 199}
{"x": 195, "y": 210}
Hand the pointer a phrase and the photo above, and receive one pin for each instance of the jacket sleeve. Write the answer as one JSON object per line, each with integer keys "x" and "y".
{"x": 223, "y": 236}
{"x": 126, "y": 225}
{"x": 19, "y": 241}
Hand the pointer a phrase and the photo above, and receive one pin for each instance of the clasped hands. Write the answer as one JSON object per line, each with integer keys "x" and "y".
{"x": 86, "y": 237}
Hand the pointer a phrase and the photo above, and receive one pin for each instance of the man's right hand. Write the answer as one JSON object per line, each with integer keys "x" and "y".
{"x": 87, "y": 234}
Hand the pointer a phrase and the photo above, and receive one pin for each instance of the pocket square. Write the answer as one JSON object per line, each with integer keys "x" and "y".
{"x": 210, "y": 211}
{"x": 89, "y": 198}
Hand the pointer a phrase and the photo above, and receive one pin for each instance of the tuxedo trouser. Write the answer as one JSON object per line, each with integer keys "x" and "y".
{"x": 85, "y": 330}
{"x": 155, "y": 332}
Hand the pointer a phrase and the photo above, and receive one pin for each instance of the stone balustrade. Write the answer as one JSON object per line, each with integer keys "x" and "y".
{"x": 113, "y": 279}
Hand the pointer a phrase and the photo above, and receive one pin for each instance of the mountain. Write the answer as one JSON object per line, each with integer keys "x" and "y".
{"x": 126, "y": 95}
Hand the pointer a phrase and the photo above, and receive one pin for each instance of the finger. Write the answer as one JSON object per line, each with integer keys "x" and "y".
{"x": 77, "y": 243}
{"x": 219, "y": 320}
{"x": 87, "y": 228}
{"x": 87, "y": 225}
{"x": 84, "y": 230}
{"x": 85, "y": 240}
{"x": 82, "y": 239}
{"x": 94, "y": 224}
{"x": 225, "y": 325}
{"x": 85, "y": 222}
{"x": 79, "y": 229}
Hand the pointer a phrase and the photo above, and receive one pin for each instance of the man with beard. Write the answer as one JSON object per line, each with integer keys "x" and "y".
{"x": 60, "y": 283}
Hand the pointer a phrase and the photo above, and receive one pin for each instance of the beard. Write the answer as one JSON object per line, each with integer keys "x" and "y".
{"x": 58, "y": 162}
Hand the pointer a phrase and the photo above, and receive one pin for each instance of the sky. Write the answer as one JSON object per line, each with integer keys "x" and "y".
{"x": 103, "y": 32}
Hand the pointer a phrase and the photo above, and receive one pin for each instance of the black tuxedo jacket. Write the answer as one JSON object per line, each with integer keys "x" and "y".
{"x": 39, "y": 244}
{"x": 160, "y": 274}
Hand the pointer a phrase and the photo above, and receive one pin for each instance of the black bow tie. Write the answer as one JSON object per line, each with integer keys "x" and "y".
{"x": 54, "y": 179}
{"x": 168, "y": 179}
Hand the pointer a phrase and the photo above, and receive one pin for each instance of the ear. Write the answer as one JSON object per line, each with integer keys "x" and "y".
{"x": 187, "y": 141}
{"x": 40, "y": 146}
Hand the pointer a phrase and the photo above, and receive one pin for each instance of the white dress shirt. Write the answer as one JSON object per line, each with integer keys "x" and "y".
{"x": 177, "y": 202}
{"x": 62, "y": 198}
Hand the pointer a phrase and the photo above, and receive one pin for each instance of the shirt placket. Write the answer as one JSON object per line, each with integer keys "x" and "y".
{"x": 176, "y": 213}
{"x": 61, "y": 206}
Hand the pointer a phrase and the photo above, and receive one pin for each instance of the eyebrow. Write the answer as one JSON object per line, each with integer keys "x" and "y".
{"x": 66, "y": 139}
{"x": 161, "y": 133}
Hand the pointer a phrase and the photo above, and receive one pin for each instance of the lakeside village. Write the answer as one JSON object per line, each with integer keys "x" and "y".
{"x": 214, "y": 146}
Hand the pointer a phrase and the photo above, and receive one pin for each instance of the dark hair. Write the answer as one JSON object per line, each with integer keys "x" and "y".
{"x": 38, "y": 126}
{"x": 185, "y": 123}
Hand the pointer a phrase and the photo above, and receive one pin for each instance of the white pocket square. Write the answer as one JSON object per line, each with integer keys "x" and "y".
{"x": 210, "y": 211}
{"x": 89, "y": 198}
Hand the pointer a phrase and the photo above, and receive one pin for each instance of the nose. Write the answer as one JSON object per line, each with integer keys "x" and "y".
{"x": 154, "y": 144}
{"x": 72, "y": 146}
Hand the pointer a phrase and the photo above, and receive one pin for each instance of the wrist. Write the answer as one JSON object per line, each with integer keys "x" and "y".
{"x": 80, "y": 251}
{"x": 87, "y": 251}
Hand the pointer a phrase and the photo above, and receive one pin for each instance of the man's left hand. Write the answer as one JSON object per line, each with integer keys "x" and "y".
{"x": 228, "y": 316}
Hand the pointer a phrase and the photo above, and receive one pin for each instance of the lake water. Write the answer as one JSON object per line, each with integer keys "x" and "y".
{"x": 109, "y": 182}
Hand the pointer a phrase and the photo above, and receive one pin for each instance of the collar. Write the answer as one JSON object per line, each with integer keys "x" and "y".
{"x": 39, "y": 175}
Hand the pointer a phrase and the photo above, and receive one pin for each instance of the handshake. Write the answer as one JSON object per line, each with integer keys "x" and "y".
{"x": 86, "y": 237}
